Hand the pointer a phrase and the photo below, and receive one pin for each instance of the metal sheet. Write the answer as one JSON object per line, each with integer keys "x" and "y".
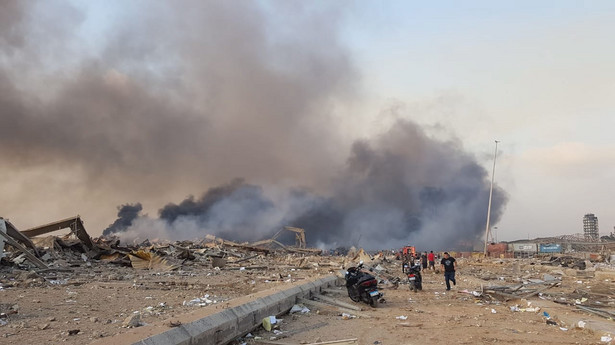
{"x": 525, "y": 247}
{"x": 550, "y": 248}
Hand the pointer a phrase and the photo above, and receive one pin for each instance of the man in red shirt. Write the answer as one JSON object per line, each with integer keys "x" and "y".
{"x": 432, "y": 260}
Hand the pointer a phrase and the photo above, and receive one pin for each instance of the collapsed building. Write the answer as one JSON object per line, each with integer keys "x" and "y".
{"x": 98, "y": 287}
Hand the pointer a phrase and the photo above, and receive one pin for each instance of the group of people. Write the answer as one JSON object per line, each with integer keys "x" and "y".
{"x": 447, "y": 263}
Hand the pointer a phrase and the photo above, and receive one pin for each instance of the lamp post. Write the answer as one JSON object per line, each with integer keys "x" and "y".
{"x": 495, "y": 155}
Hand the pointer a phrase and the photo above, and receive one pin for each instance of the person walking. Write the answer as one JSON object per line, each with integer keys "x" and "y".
{"x": 449, "y": 265}
{"x": 432, "y": 260}
{"x": 424, "y": 260}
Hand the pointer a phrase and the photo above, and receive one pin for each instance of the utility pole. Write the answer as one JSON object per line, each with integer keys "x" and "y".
{"x": 495, "y": 155}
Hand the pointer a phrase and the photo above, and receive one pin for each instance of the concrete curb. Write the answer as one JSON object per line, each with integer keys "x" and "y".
{"x": 223, "y": 327}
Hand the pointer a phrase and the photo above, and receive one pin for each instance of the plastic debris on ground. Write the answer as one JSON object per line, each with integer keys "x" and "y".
{"x": 200, "y": 302}
{"x": 297, "y": 308}
{"x": 346, "y": 316}
{"x": 268, "y": 323}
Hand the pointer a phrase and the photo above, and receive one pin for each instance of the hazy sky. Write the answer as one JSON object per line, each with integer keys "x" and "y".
{"x": 538, "y": 76}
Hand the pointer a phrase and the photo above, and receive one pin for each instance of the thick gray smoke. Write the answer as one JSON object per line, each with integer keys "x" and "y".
{"x": 201, "y": 90}
{"x": 402, "y": 188}
{"x": 161, "y": 100}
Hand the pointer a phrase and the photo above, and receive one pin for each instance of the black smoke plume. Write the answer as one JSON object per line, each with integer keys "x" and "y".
{"x": 126, "y": 214}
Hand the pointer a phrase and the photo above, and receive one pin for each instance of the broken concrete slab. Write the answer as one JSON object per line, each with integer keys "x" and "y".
{"x": 75, "y": 224}
{"x": 31, "y": 257}
{"x": 17, "y": 235}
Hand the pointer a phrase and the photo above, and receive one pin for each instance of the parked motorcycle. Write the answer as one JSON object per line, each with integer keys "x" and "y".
{"x": 362, "y": 286}
{"x": 414, "y": 278}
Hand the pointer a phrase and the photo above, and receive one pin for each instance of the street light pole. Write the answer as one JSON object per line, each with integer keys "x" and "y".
{"x": 495, "y": 155}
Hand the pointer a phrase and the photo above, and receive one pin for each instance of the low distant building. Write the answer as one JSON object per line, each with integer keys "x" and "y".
{"x": 590, "y": 227}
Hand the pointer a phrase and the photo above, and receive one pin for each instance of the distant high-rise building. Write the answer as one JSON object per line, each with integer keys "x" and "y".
{"x": 590, "y": 227}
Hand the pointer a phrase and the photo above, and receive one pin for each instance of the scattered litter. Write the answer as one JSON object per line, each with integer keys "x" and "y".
{"x": 402, "y": 317}
{"x": 268, "y": 323}
{"x": 200, "y": 302}
{"x": 299, "y": 309}
{"x": 346, "y": 316}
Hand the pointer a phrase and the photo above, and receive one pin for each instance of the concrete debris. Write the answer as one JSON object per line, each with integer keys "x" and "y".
{"x": 16, "y": 235}
{"x": 171, "y": 278}
{"x": 566, "y": 261}
{"x": 133, "y": 321}
{"x": 10, "y": 235}
{"x": 75, "y": 224}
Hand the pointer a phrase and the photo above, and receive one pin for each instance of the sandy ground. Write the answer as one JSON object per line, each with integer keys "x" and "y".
{"x": 93, "y": 301}
{"x": 434, "y": 316}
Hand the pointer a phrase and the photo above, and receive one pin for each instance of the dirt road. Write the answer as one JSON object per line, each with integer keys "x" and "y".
{"x": 434, "y": 316}
{"x": 92, "y": 303}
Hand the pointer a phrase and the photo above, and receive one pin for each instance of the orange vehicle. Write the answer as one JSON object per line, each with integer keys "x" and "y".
{"x": 408, "y": 250}
{"x": 406, "y": 253}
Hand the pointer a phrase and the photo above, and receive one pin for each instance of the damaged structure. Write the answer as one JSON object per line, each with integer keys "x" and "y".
{"x": 98, "y": 289}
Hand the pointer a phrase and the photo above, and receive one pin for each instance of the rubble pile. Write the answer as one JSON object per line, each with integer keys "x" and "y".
{"x": 68, "y": 289}
{"x": 63, "y": 288}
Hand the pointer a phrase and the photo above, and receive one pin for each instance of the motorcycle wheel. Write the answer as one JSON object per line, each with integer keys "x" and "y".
{"x": 413, "y": 287}
{"x": 421, "y": 286}
{"x": 373, "y": 302}
{"x": 353, "y": 297}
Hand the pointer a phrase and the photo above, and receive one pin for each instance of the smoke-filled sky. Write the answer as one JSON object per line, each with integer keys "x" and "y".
{"x": 347, "y": 118}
